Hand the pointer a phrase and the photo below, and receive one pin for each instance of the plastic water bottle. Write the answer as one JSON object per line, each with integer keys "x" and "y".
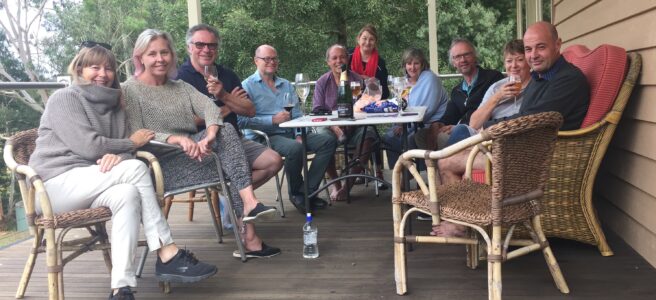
{"x": 310, "y": 247}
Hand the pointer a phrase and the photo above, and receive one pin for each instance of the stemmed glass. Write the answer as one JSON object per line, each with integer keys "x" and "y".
{"x": 399, "y": 84}
{"x": 209, "y": 71}
{"x": 289, "y": 102}
{"x": 517, "y": 82}
{"x": 302, "y": 89}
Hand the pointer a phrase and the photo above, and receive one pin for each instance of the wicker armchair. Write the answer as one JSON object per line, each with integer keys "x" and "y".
{"x": 16, "y": 154}
{"x": 569, "y": 211}
{"x": 520, "y": 154}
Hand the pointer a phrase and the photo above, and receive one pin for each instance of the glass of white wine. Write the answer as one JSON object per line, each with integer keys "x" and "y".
{"x": 302, "y": 89}
{"x": 517, "y": 82}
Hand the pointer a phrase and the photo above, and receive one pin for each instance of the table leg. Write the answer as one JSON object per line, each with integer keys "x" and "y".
{"x": 305, "y": 170}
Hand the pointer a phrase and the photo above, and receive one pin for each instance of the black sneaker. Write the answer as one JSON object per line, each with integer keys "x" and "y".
{"x": 183, "y": 267}
{"x": 124, "y": 293}
{"x": 266, "y": 252}
{"x": 318, "y": 203}
{"x": 259, "y": 210}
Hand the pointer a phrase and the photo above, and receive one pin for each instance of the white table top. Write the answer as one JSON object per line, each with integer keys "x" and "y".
{"x": 416, "y": 114}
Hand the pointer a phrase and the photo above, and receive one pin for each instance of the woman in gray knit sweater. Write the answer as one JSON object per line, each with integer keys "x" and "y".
{"x": 86, "y": 158}
{"x": 168, "y": 107}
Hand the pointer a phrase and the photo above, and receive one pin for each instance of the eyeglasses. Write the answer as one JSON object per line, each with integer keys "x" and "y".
{"x": 462, "y": 56}
{"x": 91, "y": 44}
{"x": 269, "y": 60}
{"x": 201, "y": 45}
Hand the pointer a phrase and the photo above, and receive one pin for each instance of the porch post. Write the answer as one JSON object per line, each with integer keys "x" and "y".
{"x": 193, "y": 11}
{"x": 432, "y": 36}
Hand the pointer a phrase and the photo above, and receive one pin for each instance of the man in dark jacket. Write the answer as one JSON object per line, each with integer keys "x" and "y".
{"x": 466, "y": 96}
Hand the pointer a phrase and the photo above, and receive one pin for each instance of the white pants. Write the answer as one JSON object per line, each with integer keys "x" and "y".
{"x": 128, "y": 191}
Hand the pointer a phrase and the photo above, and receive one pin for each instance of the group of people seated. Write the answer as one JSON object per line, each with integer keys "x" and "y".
{"x": 90, "y": 131}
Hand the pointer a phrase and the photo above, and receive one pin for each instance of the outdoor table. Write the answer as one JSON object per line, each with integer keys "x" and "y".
{"x": 410, "y": 115}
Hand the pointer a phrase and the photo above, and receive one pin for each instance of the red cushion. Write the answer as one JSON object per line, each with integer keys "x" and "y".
{"x": 604, "y": 68}
{"x": 478, "y": 176}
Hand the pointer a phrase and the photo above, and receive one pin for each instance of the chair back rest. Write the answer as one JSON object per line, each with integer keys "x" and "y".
{"x": 604, "y": 67}
{"x": 23, "y": 143}
{"x": 522, "y": 149}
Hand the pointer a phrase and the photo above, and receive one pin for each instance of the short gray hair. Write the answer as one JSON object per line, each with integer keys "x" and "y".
{"x": 463, "y": 41}
{"x": 202, "y": 27}
{"x": 339, "y": 46}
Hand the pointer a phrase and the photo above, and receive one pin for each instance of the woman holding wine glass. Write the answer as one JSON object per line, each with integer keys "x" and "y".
{"x": 503, "y": 98}
{"x": 425, "y": 89}
{"x": 167, "y": 107}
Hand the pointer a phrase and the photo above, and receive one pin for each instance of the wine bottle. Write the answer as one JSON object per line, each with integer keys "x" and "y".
{"x": 344, "y": 96}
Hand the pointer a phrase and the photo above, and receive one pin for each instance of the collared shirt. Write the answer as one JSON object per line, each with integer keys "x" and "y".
{"x": 268, "y": 103}
{"x": 549, "y": 74}
{"x": 468, "y": 87}
{"x": 325, "y": 90}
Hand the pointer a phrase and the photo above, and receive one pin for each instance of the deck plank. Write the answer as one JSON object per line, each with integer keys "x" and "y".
{"x": 356, "y": 262}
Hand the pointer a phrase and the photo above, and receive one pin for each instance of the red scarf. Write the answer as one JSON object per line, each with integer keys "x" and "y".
{"x": 372, "y": 64}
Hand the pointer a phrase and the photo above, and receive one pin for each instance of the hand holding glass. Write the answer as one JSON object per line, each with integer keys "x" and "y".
{"x": 210, "y": 72}
{"x": 517, "y": 84}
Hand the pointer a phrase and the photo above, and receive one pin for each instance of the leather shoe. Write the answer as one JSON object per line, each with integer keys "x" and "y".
{"x": 299, "y": 203}
{"x": 318, "y": 203}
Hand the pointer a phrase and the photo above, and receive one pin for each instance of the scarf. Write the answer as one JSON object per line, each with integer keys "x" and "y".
{"x": 372, "y": 64}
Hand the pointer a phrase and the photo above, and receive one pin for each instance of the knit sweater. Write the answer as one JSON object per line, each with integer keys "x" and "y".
{"x": 168, "y": 109}
{"x": 80, "y": 124}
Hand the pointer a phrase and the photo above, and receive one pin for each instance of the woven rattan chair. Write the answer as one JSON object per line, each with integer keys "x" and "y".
{"x": 569, "y": 210}
{"x": 520, "y": 153}
{"x": 44, "y": 227}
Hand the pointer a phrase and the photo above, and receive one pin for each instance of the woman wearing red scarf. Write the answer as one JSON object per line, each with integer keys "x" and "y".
{"x": 365, "y": 59}
{"x": 366, "y": 62}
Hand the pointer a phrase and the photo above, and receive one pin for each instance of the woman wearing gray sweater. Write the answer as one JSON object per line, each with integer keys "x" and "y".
{"x": 86, "y": 158}
{"x": 168, "y": 107}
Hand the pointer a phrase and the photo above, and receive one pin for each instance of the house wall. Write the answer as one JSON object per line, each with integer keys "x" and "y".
{"x": 625, "y": 192}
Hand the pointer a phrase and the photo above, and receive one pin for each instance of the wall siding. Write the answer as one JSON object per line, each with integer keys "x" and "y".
{"x": 625, "y": 192}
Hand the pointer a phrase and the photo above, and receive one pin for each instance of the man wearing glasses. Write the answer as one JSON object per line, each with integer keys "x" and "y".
{"x": 227, "y": 92}
{"x": 466, "y": 96}
{"x": 270, "y": 94}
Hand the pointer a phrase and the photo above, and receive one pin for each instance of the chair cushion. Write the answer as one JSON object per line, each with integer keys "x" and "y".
{"x": 76, "y": 218}
{"x": 604, "y": 67}
{"x": 469, "y": 202}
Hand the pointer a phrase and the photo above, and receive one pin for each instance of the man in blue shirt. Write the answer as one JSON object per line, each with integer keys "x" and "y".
{"x": 268, "y": 93}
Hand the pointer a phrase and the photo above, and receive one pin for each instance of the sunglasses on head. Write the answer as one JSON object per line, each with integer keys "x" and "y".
{"x": 91, "y": 44}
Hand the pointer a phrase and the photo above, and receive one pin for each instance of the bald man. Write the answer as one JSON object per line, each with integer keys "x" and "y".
{"x": 557, "y": 85}
{"x": 268, "y": 93}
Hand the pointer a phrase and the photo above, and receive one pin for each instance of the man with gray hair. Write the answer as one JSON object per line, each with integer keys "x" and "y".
{"x": 203, "y": 46}
{"x": 466, "y": 96}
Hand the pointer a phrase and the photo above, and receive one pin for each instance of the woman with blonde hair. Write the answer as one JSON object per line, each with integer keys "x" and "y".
{"x": 168, "y": 107}
{"x": 87, "y": 159}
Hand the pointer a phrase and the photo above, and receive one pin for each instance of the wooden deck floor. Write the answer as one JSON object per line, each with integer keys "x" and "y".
{"x": 356, "y": 262}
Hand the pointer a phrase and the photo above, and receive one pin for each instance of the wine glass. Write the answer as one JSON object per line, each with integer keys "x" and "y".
{"x": 209, "y": 71}
{"x": 516, "y": 80}
{"x": 373, "y": 89}
{"x": 399, "y": 84}
{"x": 289, "y": 102}
{"x": 302, "y": 89}
{"x": 356, "y": 90}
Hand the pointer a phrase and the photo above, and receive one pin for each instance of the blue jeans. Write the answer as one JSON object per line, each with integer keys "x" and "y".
{"x": 322, "y": 144}
{"x": 393, "y": 144}
{"x": 458, "y": 133}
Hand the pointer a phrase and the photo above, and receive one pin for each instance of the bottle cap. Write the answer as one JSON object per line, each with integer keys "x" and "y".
{"x": 308, "y": 217}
